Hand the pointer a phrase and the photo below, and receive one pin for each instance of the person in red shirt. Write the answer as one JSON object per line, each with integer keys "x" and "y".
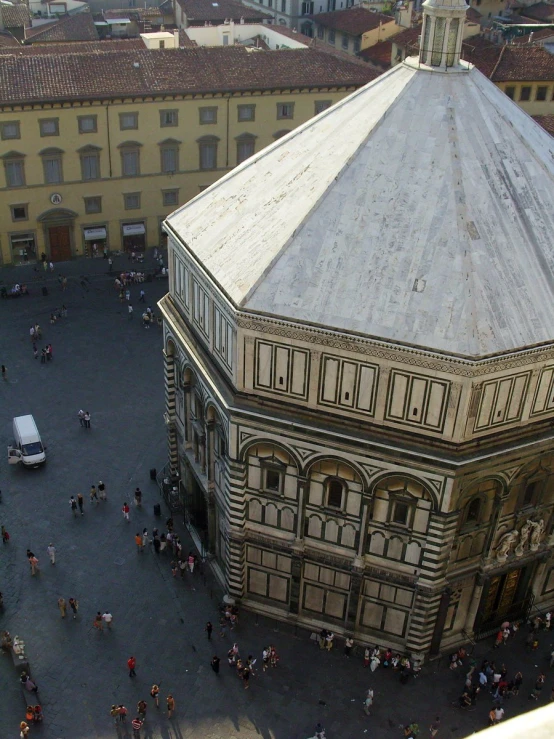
{"x": 136, "y": 723}
{"x": 125, "y": 510}
{"x": 131, "y": 664}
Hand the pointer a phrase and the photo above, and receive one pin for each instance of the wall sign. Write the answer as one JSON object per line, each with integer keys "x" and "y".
{"x": 56, "y": 198}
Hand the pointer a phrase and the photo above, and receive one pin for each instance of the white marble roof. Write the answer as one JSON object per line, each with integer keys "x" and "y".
{"x": 420, "y": 209}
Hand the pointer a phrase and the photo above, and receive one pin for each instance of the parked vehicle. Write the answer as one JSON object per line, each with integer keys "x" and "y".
{"x": 27, "y": 445}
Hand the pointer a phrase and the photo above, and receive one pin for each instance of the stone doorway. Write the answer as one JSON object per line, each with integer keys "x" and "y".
{"x": 58, "y": 233}
{"x": 59, "y": 239}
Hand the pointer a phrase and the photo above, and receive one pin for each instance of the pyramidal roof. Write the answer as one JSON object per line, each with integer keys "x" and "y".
{"x": 418, "y": 210}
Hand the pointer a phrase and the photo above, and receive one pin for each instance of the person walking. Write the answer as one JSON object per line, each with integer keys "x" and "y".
{"x": 94, "y": 494}
{"x": 144, "y": 537}
{"x": 434, "y": 728}
{"x": 102, "y": 491}
{"x": 87, "y": 420}
{"x": 107, "y": 618}
{"x": 131, "y": 664}
{"x": 98, "y": 623}
{"x": 141, "y": 710}
{"x": 215, "y": 664}
{"x": 136, "y": 725}
{"x": 51, "y": 549}
{"x": 190, "y": 560}
{"x": 81, "y": 417}
{"x": 208, "y": 629}
{"x": 155, "y": 694}
{"x": 138, "y": 542}
{"x": 122, "y": 713}
{"x": 33, "y": 561}
{"x": 24, "y": 730}
{"x": 170, "y": 701}
{"x": 73, "y": 504}
{"x": 80, "y": 503}
{"x": 62, "y": 606}
{"x": 138, "y": 497}
{"x": 368, "y": 702}
{"x": 142, "y": 298}
{"x": 539, "y": 685}
{"x": 125, "y": 510}
{"x": 114, "y": 713}
{"x": 246, "y": 678}
{"x": 5, "y": 535}
{"x": 348, "y": 644}
{"x": 74, "y": 605}
{"x": 130, "y": 310}
{"x": 4, "y": 372}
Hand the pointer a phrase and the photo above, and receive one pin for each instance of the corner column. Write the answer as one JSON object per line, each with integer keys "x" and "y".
{"x": 169, "y": 382}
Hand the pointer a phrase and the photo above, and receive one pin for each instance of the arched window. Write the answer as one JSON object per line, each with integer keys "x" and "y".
{"x": 473, "y": 512}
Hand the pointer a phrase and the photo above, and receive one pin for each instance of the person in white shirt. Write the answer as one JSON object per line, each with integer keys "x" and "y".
{"x": 51, "y": 549}
{"x": 107, "y": 618}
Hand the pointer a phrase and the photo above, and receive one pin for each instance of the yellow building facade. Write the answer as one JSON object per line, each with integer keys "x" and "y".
{"x": 106, "y": 172}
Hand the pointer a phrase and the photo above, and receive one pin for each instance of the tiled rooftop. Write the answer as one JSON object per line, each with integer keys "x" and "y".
{"x": 73, "y": 47}
{"x": 78, "y": 27}
{"x": 8, "y": 42}
{"x": 546, "y": 121}
{"x": 540, "y": 11}
{"x": 353, "y": 21}
{"x": 379, "y": 54}
{"x": 105, "y": 75}
{"x": 15, "y": 16}
{"x": 220, "y": 10}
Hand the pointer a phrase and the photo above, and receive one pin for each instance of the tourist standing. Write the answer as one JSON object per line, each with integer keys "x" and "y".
{"x": 51, "y": 549}
{"x": 62, "y": 606}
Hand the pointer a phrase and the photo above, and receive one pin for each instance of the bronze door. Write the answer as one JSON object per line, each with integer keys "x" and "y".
{"x": 503, "y": 597}
{"x": 60, "y": 243}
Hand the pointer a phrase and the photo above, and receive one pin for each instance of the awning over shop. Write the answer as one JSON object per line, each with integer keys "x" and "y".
{"x": 91, "y": 234}
{"x": 133, "y": 229}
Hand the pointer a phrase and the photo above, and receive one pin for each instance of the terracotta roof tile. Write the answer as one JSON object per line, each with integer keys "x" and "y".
{"x": 353, "y": 21}
{"x": 540, "y": 11}
{"x": 216, "y": 11}
{"x": 546, "y": 121}
{"x": 524, "y": 63}
{"x": 8, "y": 42}
{"x": 473, "y": 15}
{"x": 26, "y": 78}
{"x": 543, "y": 34}
{"x": 16, "y": 16}
{"x": 78, "y": 27}
{"x": 75, "y": 47}
{"x": 379, "y": 54}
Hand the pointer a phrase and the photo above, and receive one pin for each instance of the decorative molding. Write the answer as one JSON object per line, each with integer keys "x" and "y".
{"x": 517, "y": 542}
{"x": 405, "y": 355}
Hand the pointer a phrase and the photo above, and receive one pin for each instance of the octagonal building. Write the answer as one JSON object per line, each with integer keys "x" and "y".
{"x": 359, "y": 356}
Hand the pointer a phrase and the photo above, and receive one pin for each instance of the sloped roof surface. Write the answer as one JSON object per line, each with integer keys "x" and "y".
{"x": 25, "y": 78}
{"x": 419, "y": 210}
{"x": 15, "y": 16}
{"x": 353, "y": 21}
{"x": 74, "y": 47}
{"x": 78, "y": 27}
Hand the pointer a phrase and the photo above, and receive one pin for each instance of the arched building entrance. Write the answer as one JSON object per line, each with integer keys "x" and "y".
{"x": 58, "y": 233}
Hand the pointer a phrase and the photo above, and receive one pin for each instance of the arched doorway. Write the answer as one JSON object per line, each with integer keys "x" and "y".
{"x": 58, "y": 233}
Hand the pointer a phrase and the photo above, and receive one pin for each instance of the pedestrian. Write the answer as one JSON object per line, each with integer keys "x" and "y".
{"x": 102, "y": 491}
{"x": 81, "y": 417}
{"x": 518, "y": 679}
{"x": 215, "y": 664}
{"x": 43, "y": 355}
{"x": 273, "y": 657}
{"x": 329, "y": 641}
{"x": 190, "y": 560}
{"x": 130, "y": 310}
{"x": 74, "y": 605}
{"x": 114, "y": 713}
{"x": 35, "y": 351}
{"x": 33, "y": 561}
{"x": 142, "y": 297}
{"x": 125, "y": 511}
{"x": 138, "y": 497}
{"x": 539, "y": 685}
{"x": 51, "y": 266}
{"x": 155, "y": 693}
{"x": 49, "y": 352}
{"x": 174, "y": 569}
{"x": 94, "y": 494}
{"x": 73, "y": 504}
{"x": 51, "y": 549}
{"x": 434, "y": 728}
{"x": 5, "y": 535}
{"x": 87, "y": 420}
{"x": 136, "y": 725}
{"x": 170, "y": 701}
{"x": 208, "y": 629}
{"x": 367, "y": 657}
{"x": 107, "y": 618}
{"x": 498, "y": 714}
{"x": 144, "y": 537}
{"x": 80, "y": 503}
{"x": 375, "y": 659}
{"x": 24, "y": 730}
{"x": 141, "y": 709}
{"x": 246, "y": 678}
{"x": 138, "y": 542}
{"x": 127, "y": 295}
{"x": 62, "y": 606}
{"x": 348, "y": 644}
{"x": 322, "y": 637}
{"x": 97, "y": 623}
{"x": 368, "y": 702}
{"x": 131, "y": 664}
{"x": 122, "y": 713}
{"x": 4, "y": 372}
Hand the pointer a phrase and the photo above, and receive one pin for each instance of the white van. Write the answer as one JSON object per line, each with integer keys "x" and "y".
{"x": 27, "y": 446}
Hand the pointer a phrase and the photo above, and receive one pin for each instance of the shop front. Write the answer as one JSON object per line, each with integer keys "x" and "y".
{"x": 23, "y": 248}
{"x": 134, "y": 236}
{"x": 95, "y": 240}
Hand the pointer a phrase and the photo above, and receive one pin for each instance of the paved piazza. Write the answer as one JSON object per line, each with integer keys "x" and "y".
{"x": 111, "y": 366}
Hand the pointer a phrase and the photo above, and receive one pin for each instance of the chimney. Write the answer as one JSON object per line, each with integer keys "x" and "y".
{"x": 176, "y": 38}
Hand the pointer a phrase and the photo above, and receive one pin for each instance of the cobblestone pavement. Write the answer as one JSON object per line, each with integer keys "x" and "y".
{"x": 110, "y": 365}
